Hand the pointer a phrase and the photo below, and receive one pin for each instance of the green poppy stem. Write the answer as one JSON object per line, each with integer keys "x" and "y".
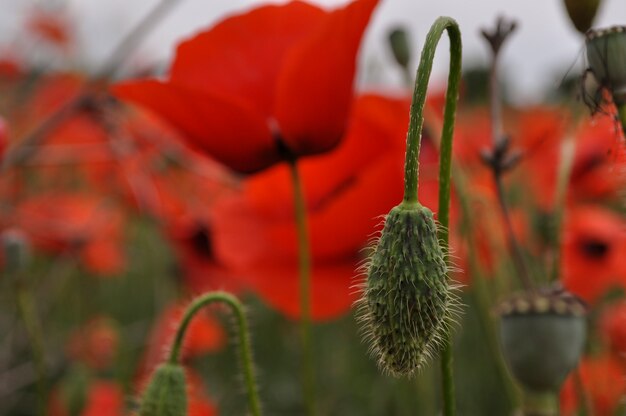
{"x": 245, "y": 349}
{"x": 411, "y": 166}
{"x": 568, "y": 151}
{"x": 304, "y": 256}
{"x": 540, "y": 404}
{"x": 32, "y": 325}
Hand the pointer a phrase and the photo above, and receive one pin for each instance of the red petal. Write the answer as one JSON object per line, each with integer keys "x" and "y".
{"x": 314, "y": 89}
{"x": 242, "y": 55}
{"x": 347, "y": 191}
{"x": 223, "y": 128}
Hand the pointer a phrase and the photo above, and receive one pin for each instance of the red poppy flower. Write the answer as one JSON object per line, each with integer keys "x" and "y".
{"x": 597, "y": 172}
{"x": 198, "y": 402}
{"x": 604, "y": 382}
{"x": 276, "y": 73}
{"x": 59, "y": 222}
{"x": 53, "y": 27}
{"x": 95, "y": 344}
{"x": 613, "y": 327}
{"x": 104, "y": 398}
{"x": 199, "y": 268}
{"x": 593, "y": 252}
{"x": 10, "y": 67}
{"x": 346, "y": 191}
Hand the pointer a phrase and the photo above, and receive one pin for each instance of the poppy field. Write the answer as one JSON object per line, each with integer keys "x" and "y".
{"x": 252, "y": 228}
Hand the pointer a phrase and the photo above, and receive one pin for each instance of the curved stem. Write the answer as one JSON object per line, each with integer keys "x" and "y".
{"x": 245, "y": 350}
{"x": 416, "y": 122}
{"x": 411, "y": 165}
{"x": 304, "y": 256}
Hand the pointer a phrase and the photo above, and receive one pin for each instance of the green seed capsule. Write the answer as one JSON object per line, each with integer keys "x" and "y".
{"x": 166, "y": 394}
{"x": 407, "y": 300}
{"x": 606, "y": 53}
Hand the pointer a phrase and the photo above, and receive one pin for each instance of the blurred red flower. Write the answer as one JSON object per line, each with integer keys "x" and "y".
{"x": 594, "y": 244}
{"x": 56, "y": 223}
{"x": 597, "y": 171}
{"x": 51, "y": 26}
{"x": 104, "y": 398}
{"x": 613, "y": 328}
{"x": 604, "y": 382}
{"x": 94, "y": 344}
{"x": 276, "y": 80}
{"x": 347, "y": 191}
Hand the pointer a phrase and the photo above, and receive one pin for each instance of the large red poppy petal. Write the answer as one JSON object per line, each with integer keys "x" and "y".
{"x": 222, "y": 128}
{"x": 242, "y": 55}
{"x": 331, "y": 293}
{"x": 314, "y": 89}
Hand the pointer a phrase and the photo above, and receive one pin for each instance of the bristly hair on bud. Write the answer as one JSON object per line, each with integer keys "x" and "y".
{"x": 407, "y": 303}
{"x": 166, "y": 393}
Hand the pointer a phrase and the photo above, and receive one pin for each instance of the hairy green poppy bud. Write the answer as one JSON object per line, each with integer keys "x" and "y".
{"x": 582, "y": 13}
{"x": 406, "y": 303}
{"x": 399, "y": 42}
{"x": 542, "y": 337}
{"x": 166, "y": 394}
{"x": 606, "y": 54}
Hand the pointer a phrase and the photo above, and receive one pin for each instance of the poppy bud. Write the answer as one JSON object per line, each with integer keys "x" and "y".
{"x": 399, "y": 42}
{"x": 606, "y": 54}
{"x": 407, "y": 299}
{"x": 166, "y": 394}
{"x": 16, "y": 250}
{"x": 582, "y": 13}
{"x": 542, "y": 338}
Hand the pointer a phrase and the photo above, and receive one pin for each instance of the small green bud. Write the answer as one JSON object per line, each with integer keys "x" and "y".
{"x": 166, "y": 394}
{"x": 399, "y": 42}
{"x": 606, "y": 54}
{"x": 582, "y": 13}
{"x": 542, "y": 337}
{"x": 407, "y": 300}
{"x": 16, "y": 250}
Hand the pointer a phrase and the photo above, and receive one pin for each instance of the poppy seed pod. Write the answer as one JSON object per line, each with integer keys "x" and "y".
{"x": 542, "y": 337}
{"x": 606, "y": 54}
{"x": 166, "y": 394}
{"x": 406, "y": 303}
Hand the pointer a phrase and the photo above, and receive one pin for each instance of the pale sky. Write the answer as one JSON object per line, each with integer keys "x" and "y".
{"x": 536, "y": 57}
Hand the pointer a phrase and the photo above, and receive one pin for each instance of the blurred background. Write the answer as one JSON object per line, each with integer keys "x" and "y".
{"x": 538, "y": 57}
{"x": 111, "y": 221}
